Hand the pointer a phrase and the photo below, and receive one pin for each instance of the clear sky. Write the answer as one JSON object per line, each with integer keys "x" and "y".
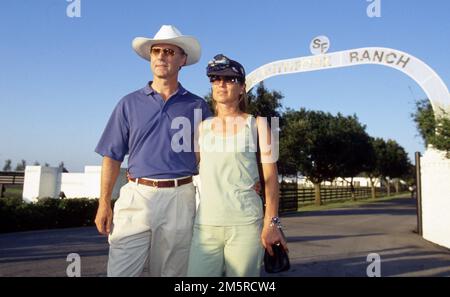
{"x": 61, "y": 77}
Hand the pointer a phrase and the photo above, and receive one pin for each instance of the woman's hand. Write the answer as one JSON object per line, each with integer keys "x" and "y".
{"x": 271, "y": 235}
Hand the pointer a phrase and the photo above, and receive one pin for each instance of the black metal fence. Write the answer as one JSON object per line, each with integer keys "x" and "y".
{"x": 10, "y": 178}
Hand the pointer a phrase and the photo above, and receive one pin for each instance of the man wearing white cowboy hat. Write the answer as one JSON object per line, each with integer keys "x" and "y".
{"x": 154, "y": 214}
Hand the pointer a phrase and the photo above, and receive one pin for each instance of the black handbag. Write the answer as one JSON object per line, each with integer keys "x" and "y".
{"x": 278, "y": 262}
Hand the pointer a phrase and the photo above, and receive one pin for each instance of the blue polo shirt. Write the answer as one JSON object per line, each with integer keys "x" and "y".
{"x": 141, "y": 126}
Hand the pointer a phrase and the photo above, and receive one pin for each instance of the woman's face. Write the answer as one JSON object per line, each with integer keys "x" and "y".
{"x": 226, "y": 90}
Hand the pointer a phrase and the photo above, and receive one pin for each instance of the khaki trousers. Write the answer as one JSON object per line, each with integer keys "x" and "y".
{"x": 151, "y": 224}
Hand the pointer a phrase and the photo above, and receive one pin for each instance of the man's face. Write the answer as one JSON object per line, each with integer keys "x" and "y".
{"x": 166, "y": 60}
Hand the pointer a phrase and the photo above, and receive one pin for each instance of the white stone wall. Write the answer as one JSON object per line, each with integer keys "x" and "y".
{"x": 42, "y": 182}
{"x": 92, "y": 175}
{"x": 73, "y": 185}
{"x": 435, "y": 174}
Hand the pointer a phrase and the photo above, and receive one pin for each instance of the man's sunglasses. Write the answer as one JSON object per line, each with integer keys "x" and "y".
{"x": 166, "y": 51}
{"x": 226, "y": 79}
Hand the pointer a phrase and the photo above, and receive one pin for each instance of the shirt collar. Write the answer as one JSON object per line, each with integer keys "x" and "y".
{"x": 148, "y": 90}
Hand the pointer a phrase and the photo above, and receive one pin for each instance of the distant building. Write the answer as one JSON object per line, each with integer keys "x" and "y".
{"x": 338, "y": 182}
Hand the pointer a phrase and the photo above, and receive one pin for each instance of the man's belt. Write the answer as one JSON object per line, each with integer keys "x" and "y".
{"x": 162, "y": 183}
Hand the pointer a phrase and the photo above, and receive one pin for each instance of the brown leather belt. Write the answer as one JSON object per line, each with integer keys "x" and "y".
{"x": 162, "y": 183}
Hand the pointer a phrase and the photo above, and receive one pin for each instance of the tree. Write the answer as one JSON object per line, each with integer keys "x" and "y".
{"x": 410, "y": 176}
{"x": 62, "y": 168}
{"x": 265, "y": 103}
{"x": 391, "y": 161}
{"x": 355, "y": 150}
{"x": 433, "y": 131}
{"x": 397, "y": 162}
{"x": 424, "y": 119}
{"x": 36, "y": 163}
{"x": 308, "y": 139}
{"x": 441, "y": 139}
{"x": 7, "y": 166}
{"x": 286, "y": 162}
{"x": 324, "y": 147}
{"x": 376, "y": 171}
{"x": 21, "y": 166}
{"x": 209, "y": 101}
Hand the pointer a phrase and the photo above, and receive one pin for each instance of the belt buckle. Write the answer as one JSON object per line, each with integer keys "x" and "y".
{"x": 176, "y": 183}
{"x": 155, "y": 183}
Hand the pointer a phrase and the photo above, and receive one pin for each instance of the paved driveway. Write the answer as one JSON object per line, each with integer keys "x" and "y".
{"x": 337, "y": 242}
{"x": 322, "y": 243}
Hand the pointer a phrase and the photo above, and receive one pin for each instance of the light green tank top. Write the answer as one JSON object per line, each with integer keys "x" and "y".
{"x": 228, "y": 172}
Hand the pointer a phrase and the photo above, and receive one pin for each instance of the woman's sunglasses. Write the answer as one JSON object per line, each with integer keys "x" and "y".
{"x": 227, "y": 79}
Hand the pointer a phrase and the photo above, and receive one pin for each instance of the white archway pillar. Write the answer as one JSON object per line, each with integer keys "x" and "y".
{"x": 435, "y": 175}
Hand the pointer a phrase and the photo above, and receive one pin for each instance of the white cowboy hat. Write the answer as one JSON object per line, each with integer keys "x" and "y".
{"x": 171, "y": 35}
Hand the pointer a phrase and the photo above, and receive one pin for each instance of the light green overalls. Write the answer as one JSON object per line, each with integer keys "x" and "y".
{"x": 228, "y": 224}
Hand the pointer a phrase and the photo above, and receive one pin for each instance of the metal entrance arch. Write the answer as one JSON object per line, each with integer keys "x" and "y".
{"x": 424, "y": 75}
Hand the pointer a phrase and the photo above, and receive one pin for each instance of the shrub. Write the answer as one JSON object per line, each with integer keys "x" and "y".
{"x": 47, "y": 213}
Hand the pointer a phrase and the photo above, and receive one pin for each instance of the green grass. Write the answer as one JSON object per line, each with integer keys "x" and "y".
{"x": 348, "y": 203}
{"x": 13, "y": 191}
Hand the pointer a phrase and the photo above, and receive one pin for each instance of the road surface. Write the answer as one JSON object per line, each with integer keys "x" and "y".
{"x": 322, "y": 243}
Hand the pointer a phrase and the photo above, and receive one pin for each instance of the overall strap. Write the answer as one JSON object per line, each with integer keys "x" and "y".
{"x": 258, "y": 161}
